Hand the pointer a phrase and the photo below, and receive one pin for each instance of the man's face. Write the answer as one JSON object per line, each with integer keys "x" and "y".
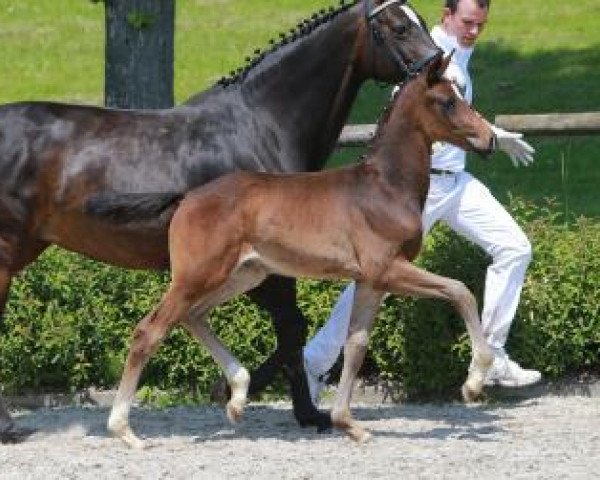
{"x": 467, "y": 23}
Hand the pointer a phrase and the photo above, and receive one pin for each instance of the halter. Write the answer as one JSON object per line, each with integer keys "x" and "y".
{"x": 375, "y": 11}
{"x": 371, "y": 14}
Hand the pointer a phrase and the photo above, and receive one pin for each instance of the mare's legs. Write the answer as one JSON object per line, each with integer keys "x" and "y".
{"x": 6, "y": 422}
{"x": 14, "y": 255}
{"x": 278, "y": 296}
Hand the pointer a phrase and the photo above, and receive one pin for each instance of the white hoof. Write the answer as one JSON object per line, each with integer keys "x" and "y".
{"x": 133, "y": 441}
{"x": 360, "y": 435}
{"x": 472, "y": 391}
{"x": 235, "y": 411}
{"x": 122, "y": 431}
{"x": 238, "y": 383}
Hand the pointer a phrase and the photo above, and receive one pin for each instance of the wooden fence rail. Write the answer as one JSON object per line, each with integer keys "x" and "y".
{"x": 552, "y": 124}
{"x": 549, "y": 124}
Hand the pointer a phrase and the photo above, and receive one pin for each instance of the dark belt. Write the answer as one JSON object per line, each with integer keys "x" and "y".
{"x": 437, "y": 171}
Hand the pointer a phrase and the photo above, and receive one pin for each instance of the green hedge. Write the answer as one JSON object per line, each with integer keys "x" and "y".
{"x": 69, "y": 319}
{"x": 423, "y": 343}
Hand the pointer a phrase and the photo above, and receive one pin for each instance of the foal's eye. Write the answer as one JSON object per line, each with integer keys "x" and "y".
{"x": 449, "y": 105}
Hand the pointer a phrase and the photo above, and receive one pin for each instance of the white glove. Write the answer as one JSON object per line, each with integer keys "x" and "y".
{"x": 511, "y": 143}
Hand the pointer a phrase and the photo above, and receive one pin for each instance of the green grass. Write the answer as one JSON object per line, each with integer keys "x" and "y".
{"x": 536, "y": 57}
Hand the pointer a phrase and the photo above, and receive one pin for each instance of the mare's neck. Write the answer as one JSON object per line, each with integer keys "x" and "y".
{"x": 308, "y": 86}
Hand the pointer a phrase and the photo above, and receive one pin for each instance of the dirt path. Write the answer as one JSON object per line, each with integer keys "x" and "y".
{"x": 549, "y": 437}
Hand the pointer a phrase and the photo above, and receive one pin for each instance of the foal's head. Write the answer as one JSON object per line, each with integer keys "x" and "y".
{"x": 437, "y": 109}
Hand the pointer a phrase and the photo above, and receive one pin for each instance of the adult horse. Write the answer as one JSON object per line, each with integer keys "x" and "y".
{"x": 361, "y": 222}
{"x": 282, "y": 112}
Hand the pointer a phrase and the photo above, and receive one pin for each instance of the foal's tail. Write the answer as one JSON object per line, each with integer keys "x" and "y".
{"x": 131, "y": 207}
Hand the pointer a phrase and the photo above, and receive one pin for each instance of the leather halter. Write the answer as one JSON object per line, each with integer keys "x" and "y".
{"x": 371, "y": 14}
{"x": 375, "y": 10}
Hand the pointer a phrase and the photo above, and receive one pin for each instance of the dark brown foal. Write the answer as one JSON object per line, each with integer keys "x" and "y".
{"x": 361, "y": 222}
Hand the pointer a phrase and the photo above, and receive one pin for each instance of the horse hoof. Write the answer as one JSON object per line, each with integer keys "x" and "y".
{"x": 14, "y": 434}
{"x": 134, "y": 442}
{"x": 126, "y": 435}
{"x": 359, "y": 434}
{"x": 470, "y": 394}
{"x": 234, "y": 412}
{"x": 317, "y": 419}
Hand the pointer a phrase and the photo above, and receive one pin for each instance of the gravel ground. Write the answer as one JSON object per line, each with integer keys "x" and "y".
{"x": 549, "y": 437}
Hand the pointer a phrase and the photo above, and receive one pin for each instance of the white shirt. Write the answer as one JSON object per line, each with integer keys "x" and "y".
{"x": 446, "y": 156}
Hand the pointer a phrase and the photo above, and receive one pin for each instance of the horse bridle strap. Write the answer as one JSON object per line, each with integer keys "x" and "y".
{"x": 370, "y": 14}
{"x": 378, "y": 9}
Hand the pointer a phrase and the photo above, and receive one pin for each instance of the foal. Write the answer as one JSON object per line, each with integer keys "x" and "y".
{"x": 361, "y": 222}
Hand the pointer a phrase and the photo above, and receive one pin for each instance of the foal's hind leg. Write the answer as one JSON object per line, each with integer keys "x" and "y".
{"x": 147, "y": 336}
{"x": 278, "y": 296}
{"x": 245, "y": 277}
{"x": 237, "y": 376}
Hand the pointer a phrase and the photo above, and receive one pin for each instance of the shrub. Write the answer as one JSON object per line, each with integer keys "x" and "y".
{"x": 69, "y": 319}
{"x": 557, "y": 327}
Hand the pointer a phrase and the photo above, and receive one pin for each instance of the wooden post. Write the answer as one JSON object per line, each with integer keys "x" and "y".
{"x": 139, "y": 53}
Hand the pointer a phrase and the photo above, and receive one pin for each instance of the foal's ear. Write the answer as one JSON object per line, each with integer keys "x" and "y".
{"x": 437, "y": 67}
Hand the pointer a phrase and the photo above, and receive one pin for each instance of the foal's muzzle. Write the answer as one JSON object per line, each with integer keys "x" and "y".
{"x": 491, "y": 148}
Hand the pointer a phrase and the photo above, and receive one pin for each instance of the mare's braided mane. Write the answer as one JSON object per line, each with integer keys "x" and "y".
{"x": 301, "y": 30}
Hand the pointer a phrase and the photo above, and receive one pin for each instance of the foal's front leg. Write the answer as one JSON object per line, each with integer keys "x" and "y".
{"x": 404, "y": 278}
{"x": 366, "y": 303}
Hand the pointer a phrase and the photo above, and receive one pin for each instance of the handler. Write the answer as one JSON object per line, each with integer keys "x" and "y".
{"x": 467, "y": 206}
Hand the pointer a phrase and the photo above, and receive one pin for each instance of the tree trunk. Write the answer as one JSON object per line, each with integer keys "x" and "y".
{"x": 139, "y": 53}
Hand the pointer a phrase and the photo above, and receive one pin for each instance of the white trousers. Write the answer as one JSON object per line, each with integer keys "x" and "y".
{"x": 468, "y": 207}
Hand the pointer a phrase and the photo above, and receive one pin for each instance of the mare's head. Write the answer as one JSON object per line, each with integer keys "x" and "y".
{"x": 396, "y": 41}
{"x": 434, "y": 106}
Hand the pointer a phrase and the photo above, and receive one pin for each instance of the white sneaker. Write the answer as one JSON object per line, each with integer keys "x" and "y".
{"x": 508, "y": 373}
{"x": 316, "y": 384}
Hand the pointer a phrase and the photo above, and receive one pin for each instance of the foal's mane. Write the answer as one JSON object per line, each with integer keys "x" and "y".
{"x": 384, "y": 118}
{"x": 387, "y": 112}
{"x": 302, "y": 29}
